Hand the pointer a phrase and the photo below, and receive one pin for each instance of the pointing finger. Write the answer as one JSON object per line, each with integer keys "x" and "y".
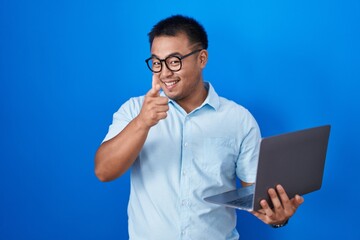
{"x": 155, "y": 85}
{"x": 155, "y": 88}
{"x": 155, "y": 82}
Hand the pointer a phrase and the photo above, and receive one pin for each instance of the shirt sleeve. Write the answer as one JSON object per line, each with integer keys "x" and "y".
{"x": 246, "y": 166}
{"x": 126, "y": 113}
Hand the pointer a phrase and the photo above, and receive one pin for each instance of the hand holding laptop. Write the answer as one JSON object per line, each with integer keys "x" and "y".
{"x": 283, "y": 209}
{"x": 296, "y": 161}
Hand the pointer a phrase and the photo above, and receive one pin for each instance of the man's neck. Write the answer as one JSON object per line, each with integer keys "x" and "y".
{"x": 190, "y": 104}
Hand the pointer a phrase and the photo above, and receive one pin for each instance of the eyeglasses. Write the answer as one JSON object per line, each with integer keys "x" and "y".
{"x": 173, "y": 63}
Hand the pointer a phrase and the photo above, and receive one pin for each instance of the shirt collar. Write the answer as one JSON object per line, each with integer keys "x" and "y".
{"x": 212, "y": 98}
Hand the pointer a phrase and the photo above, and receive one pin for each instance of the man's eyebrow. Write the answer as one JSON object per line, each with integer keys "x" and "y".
{"x": 171, "y": 54}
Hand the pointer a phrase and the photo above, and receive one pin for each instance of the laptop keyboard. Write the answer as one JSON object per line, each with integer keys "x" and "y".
{"x": 242, "y": 201}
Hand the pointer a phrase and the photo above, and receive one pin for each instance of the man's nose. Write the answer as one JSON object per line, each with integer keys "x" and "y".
{"x": 165, "y": 71}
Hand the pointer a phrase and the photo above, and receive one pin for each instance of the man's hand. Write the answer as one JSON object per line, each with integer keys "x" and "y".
{"x": 154, "y": 107}
{"x": 283, "y": 209}
{"x": 115, "y": 157}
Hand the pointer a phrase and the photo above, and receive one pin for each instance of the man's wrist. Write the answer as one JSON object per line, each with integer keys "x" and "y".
{"x": 280, "y": 225}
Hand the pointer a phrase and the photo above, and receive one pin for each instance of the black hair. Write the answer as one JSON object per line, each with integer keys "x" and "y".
{"x": 176, "y": 24}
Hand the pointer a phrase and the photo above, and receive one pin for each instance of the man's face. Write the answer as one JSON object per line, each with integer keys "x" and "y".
{"x": 186, "y": 84}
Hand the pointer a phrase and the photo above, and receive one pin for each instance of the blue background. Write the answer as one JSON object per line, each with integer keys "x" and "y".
{"x": 66, "y": 67}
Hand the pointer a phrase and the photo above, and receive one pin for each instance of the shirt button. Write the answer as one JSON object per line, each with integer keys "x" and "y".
{"x": 186, "y": 144}
{"x": 184, "y": 203}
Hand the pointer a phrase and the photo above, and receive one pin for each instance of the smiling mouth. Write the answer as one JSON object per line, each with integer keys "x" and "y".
{"x": 170, "y": 84}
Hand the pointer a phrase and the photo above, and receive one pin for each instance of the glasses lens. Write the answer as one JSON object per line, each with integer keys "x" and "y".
{"x": 173, "y": 63}
{"x": 154, "y": 64}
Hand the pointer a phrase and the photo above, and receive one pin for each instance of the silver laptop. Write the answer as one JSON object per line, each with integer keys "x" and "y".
{"x": 295, "y": 160}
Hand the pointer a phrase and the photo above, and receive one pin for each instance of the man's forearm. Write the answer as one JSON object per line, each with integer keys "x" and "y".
{"x": 115, "y": 157}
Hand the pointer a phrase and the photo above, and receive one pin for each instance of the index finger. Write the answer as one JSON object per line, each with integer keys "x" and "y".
{"x": 155, "y": 88}
{"x": 154, "y": 82}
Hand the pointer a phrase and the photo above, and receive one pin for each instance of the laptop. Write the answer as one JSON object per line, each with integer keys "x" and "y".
{"x": 295, "y": 160}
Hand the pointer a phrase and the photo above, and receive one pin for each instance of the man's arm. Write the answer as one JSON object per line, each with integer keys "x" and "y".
{"x": 246, "y": 184}
{"x": 115, "y": 157}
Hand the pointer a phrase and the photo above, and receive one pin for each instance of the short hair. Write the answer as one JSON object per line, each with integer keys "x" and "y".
{"x": 176, "y": 24}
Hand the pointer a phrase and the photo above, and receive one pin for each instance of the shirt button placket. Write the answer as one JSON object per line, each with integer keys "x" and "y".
{"x": 185, "y": 188}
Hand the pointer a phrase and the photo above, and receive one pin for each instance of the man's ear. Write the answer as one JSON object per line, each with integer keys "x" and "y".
{"x": 203, "y": 57}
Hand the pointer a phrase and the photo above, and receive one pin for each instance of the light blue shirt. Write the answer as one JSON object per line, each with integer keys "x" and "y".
{"x": 187, "y": 157}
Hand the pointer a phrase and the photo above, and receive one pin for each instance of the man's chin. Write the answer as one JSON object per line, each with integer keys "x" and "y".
{"x": 171, "y": 96}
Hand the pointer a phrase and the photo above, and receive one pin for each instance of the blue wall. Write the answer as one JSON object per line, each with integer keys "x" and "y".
{"x": 66, "y": 67}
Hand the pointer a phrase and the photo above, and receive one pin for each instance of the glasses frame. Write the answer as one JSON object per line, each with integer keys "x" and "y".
{"x": 164, "y": 60}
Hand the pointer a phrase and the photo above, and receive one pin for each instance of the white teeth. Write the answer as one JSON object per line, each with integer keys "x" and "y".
{"x": 169, "y": 84}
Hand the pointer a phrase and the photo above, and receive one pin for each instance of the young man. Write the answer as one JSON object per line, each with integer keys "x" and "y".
{"x": 184, "y": 143}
